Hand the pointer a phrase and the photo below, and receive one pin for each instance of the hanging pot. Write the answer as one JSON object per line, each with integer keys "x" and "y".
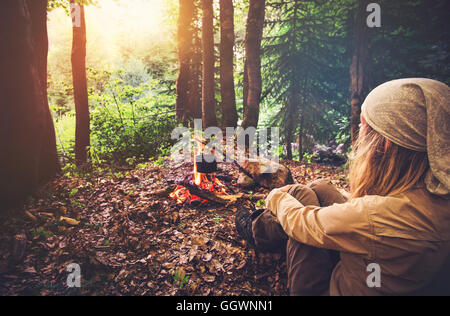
{"x": 206, "y": 163}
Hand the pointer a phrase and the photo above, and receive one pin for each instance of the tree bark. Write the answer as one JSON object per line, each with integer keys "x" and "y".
{"x": 24, "y": 123}
{"x": 289, "y": 119}
{"x": 82, "y": 133}
{"x": 185, "y": 41}
{"x": 195, "y": 84}
{"x": 49, "y": 165}
{"x": 300, "y": 138}
{"x": 209, "y": 100}
{"x": 245, "y": 87}
{"x": 360, "y": 68}
{"x": 253, "y": 38}
{"x": 227, "y": 40}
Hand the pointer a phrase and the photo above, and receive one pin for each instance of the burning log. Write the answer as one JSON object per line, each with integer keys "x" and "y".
{"x": 216, "y": 198}
{"x": 210, "y": 196}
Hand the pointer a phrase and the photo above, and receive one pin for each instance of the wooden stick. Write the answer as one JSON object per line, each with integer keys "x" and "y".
{"x": 210, "y": 196}
{"x": 220, "y": 199}
{"x": 163, "y": 192}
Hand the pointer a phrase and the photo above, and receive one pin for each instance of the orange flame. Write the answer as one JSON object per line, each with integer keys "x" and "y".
{"x": 204, "y": 181}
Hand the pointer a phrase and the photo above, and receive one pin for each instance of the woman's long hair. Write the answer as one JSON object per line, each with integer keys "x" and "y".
{"x": 380, "y": 167}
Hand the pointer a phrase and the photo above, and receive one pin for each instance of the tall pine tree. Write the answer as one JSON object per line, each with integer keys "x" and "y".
{"x": 252, "y": 76}
{"x": 305, "y": 67}
{"x": 208, "y": 95}
{"x": 227, "y": 38}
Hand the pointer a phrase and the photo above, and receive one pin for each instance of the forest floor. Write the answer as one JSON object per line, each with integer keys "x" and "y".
{"x": 129, "y": 239}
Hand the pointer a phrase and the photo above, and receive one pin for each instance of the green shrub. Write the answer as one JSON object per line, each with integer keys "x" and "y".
{"x": 131, "y": 122}
{"x": 128, "y": 124}
{"x": 65, "y": 133}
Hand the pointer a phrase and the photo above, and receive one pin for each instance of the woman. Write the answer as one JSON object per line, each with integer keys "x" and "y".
{"x": 398, "y": 216}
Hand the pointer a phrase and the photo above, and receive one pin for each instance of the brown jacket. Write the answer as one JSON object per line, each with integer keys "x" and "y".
{"x": 407, "y": 235}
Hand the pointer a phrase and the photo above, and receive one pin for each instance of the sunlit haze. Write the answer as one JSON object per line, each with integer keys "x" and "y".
{"x": 115, "y": 29}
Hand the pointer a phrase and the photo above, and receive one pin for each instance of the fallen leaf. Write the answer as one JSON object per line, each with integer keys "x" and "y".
{"x": 209, "y": 278}
{"x": 69, "y": 221}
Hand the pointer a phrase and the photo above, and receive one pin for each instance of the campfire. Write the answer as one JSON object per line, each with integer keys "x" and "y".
{"x": 203, "y": 185}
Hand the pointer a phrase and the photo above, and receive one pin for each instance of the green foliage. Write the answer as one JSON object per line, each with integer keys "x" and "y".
{"x": 308, "y": 157}
{"x": 413, "y": 41}
{"x": 305, "y": 60}
{"x": 129, "y": 121}
{"x": 180, "y": 278}
{"x": 307, "y": 51}
{"x": 217, "y": 219}
{"x": 131, "y": 116}
{"x": 261, "y": 203}
{"x": 65, "y": 4}
{"x": 40, "y": 233}
{"x": 55, "y": 4}
{"x": 65, "y": 132}
{"x": 77, "y": 203}
{"x": 73, "y": 192}
{"x": 60, "y": 94}
{"x": 131, "y": 73}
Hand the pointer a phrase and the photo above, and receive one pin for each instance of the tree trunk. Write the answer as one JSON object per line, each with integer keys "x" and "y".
{"x": 49, "y": 164}
{"x": 289, "y": 121}
{"x": 359, "y": 69}
{"x": 300, "y": 138}
{"x": 82, "y": 134}
{"x": 253, "y": 38}
{"x": 245, "y": 87}
{"x": 209, "y": 100}
{"x": 24, "y": 123}
{"x": 229, "y": 112}
{"x": 185, "y": 40}
{"x": 195, "y": 84}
